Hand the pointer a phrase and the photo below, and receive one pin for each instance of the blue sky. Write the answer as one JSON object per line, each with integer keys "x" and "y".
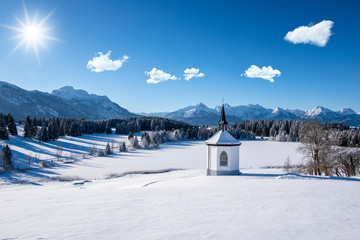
{"x": 220, "y": 38}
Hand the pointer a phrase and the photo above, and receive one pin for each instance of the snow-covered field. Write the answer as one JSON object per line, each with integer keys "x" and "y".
{"x": 183, "y": 204}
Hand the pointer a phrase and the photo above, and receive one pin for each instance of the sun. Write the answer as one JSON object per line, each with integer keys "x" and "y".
{"x": 32, "y": 33}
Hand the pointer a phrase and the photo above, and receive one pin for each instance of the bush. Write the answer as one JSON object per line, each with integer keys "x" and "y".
{"x": 100, "y": 153}
{"x": 92, "y": 149}
{"x": 43, "y": 164}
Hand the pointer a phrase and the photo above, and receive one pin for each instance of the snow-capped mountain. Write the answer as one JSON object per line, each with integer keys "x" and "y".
{"x": 246, "y": 112}
{"x": 65, "y": 102}
{"x": 280, "y": 113}
{"x": 153, "y": 114}
{"x": 198, "y": 110}
{"x": 346, "y": 111}
{"x": 296, "y": 112}
{"x": 200, "y": 114}
{"x": 319, "y": 111}
{"x": 95, "y": 106}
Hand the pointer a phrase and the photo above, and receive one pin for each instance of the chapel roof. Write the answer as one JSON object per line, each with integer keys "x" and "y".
{"x": 223, "y": 138}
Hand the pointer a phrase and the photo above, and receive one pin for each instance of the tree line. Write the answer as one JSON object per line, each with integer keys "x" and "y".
{"x": 294, "y": 130}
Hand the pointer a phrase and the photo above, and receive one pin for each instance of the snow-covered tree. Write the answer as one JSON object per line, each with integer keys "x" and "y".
{"x": 134, "y": 143}
{"x": 316, "y": 147}
{"x": 145, "y": 140}
{"x": 131, "y": 135}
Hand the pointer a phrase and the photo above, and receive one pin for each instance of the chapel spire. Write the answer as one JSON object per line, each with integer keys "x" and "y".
{"x": 222, "y": 123}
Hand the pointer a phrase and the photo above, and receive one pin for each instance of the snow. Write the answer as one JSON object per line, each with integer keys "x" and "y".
{"x": 317, "y": 111}
{"x": 182, "y": 205}
{"x": 263, "y": 203}
{"x": 222, "y": 137}
{"x": 69, "y": 93}
{"x": 346, "y": 111}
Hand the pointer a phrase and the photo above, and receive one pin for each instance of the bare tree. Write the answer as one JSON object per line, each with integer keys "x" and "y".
{"x": 28, "y": 160}
{"x": 112, "y": 145}
{"x": 59, "y": 152}
{"x": 287, "y": 165}
{"x": 347, "y": 161}
{"x": 92, "y": 149}
{"x": 316, "y": 147}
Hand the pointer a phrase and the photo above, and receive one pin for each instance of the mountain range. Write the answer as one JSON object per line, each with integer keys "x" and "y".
{"x": 200, "y": 114}
{"x": 70, "y": 102}
{"x": 64, "y": 102}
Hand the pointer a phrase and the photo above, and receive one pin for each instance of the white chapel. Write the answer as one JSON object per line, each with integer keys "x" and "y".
{"x": 223, "y": 151}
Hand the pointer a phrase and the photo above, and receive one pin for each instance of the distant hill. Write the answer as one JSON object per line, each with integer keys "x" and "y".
{"x": 64, "y": 102}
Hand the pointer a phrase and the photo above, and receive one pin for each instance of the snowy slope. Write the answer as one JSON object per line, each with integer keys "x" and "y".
{"x": 183, "y": 204}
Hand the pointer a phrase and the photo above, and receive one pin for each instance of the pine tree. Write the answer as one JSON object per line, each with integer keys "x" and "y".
{"x": 107, "y": 149}
{"x": 11, "y": 125}
{"x": 28, "y": 128}
{"x": 122, "y": 147}
{"x": 108, "y": 128}
{"x": 43, "y": 134}
{"x": 134, "y": 143}
{"x": 75, "y": 129}
{"x": 145, "y": 140}
{"x": 6, "y": 156}
{"x": 53, "y": 130}
{"x": 34, "y": 127}
{"x": 4, "y": 135}
{"x": 63, "y": 128}
{"x": 117, "y": 129}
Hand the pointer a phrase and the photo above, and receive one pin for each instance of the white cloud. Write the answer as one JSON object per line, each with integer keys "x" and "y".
{"x": 189, "y": 73}
{"x": 102, "y": 62}
{"x": 317, "y": 34}
{"x": 157, "y": 75}
{"x": 267, "y": 73}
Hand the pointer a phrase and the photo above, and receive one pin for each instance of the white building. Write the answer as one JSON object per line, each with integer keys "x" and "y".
{"x": 223, "y": 151}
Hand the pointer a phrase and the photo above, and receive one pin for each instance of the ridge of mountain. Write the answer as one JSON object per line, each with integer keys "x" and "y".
{"x": 64, "y": 102}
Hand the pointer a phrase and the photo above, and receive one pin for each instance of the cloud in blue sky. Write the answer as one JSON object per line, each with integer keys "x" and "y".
{"x": 267, "y": 73}
{"x": 102, "y": 62}
{"x": 157, "y": 76}
{"x": 189, "y": 73}
{"x": 317, "y": 34}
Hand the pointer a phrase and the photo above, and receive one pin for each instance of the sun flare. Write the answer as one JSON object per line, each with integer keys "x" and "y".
{"x": 31, "y": 33}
